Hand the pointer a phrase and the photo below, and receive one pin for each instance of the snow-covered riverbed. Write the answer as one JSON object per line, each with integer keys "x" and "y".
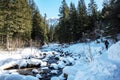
{"x": 80, "y": 61}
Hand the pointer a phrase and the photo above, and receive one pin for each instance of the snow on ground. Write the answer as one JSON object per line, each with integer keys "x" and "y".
{"x": 114, "y": 52}
{"x": 17, "y": 77}
{"x": 80, "y": 61}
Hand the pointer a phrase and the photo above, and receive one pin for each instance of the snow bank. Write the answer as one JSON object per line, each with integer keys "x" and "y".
{"x": 114, "y": 52}
{"x": 17, "y": 77}
{"x": 14, "y": 77}
{"x": 30, "y": 78}
{"x": 30, "y": 53}
{"x": 7, "y": 65}
{"x": 55, "y": 78}
{"x": 96, "y": 70}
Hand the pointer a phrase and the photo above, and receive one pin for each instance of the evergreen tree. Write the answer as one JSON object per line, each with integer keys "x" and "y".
{"x": 82, "y": 18}
{"x": 45, "y": 25}
{"x": 111, "y": 15}
{"x": 38, "y": 28}
{"x": 51, "y": 33}
{"x": 39, "y": 25}
{"x": 8, "y": 24}
{"x": 73, "y": 25}
{"x": 16, "y": 15}
{"x": 2, "y": 15}
{"x": 93, "y": 19}
{"x": 23, "y": 19}
{"x": 63, "y": 22}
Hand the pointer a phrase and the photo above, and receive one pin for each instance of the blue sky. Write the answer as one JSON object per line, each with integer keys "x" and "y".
{"x": 51, "y": 7}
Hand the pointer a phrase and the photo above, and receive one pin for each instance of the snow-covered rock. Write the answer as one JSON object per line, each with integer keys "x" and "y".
{"x": 38, "y": 76}
{"x": 22, "y": 63}
{"x": 54, "y": 65}
{"x": 54, "y": 71}
{"x": 61, "y": 64}
{"x": 8, "y": 65}
{"x": 35, "y": 71}
{"x": 30, "y": 53}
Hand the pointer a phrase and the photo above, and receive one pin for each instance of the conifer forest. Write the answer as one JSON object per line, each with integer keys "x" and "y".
{"x": 82, "y": 43}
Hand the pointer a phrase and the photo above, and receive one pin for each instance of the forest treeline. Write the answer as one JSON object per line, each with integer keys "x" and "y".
{"x": 81, "y": 23}
{"x": 21, "y": 22}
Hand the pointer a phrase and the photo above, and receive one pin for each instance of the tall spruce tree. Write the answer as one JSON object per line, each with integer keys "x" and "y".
{"x": 93, "y": 19}
{"x": 45, "y": 28}
{"x": 8, "y": 24}
{"x": 23, "y": 19}
{"x": 51, "y": 33}
{"x": 16, "y": 15}
{"x": 82, "y": 18}
{"x": 39, "y": 25}
{"x": 2, "y": 15}
{"x": 73, "y": 25}
{"x": 37, "y": 28}
{"x": 63, "y": 22}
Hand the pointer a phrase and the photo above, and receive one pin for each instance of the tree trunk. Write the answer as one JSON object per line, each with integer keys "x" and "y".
{"x": 7, "y": 42}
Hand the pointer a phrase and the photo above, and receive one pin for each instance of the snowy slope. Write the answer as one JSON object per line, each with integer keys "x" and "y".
{"x": 114, "y": 52}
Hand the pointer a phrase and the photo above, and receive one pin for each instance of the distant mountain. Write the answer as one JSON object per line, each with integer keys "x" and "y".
{"x": 53, "y": 21}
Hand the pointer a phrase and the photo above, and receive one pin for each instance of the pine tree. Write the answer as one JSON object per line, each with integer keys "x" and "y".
{"x": 16, "y": 15}
{"x": 45, "y": 28}
{"x": 82, "y": 18}
{"x": 38, "y": 28}
{"x": 23, "y": 19}
{"x": 39, "y": 25}
{"x": 1, "y": 20}
{"x": 51, "y": 33}
{"x": 63, "y": 22}
{"x": 111, "y": 15}
{"x": 73, "y": 25}
{"x": 8, "y": 27}
{"x": 93, "y": 19}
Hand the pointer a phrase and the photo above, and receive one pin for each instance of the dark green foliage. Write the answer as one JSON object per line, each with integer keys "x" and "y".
{"x": 37, "y": 29}
{"x": 23, "y": 19}
{"x": 17, "y": 19}
{"x": 39, "y": 25}
{"x": 79, "y": 24}
{"x": 82, "y": 19}
{"x": 93, "y": 17}
{"x": 92, "y": 10}
{"x": 63, "y": 22}
{"x": 111, "y": 18}
{"x": 73, "y": 23}
{"x": 51, "y": 34}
